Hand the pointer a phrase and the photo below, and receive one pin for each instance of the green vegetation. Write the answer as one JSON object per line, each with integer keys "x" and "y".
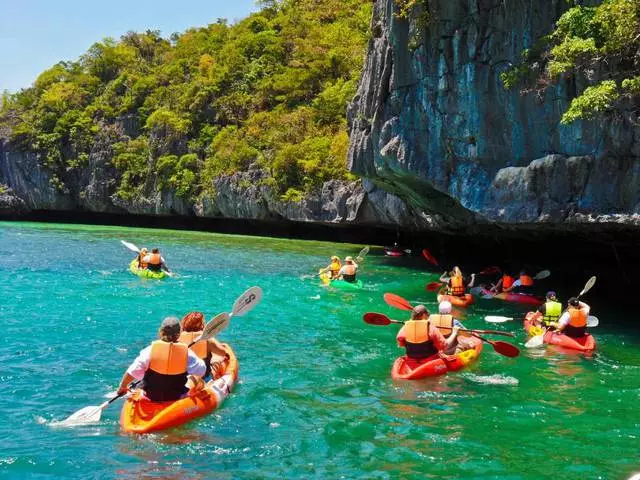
{"x": 269, "y": 91}
{"x": 600, "y": 42}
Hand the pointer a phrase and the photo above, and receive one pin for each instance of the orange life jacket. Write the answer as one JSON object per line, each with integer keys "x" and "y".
{"x": 577, "y": 317}
{"x": 456, "y": 285}
{"x": 199, "y": 348}
{"x": 166, "y": 376}
{"x": 155, "y": 259}
{"x": 417, "y": 341}
{"x": 507, "y": 281}
{"x": 526, "y": 281}
{"x": 443, "y": 322}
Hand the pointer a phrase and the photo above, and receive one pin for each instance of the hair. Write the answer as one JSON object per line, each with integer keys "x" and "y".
{"x": 192, "y": 322}
{"x": 456, "y": 271}
{"x": 155, "y": 250}
{"x": 574, "y": 302}
{"x": 171, "y": 335}
{"x": 417, "y": 312}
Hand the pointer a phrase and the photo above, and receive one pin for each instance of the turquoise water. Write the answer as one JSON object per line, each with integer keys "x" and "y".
{"x": 315, "y": 398}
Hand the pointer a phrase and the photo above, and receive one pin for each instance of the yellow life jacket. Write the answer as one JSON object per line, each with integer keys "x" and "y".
{"x": 552, "y": 311}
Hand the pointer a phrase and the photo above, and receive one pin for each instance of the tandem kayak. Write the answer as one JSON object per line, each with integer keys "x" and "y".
{"x": 405, "y": 368}
{"x": 523, "y": 298}
{"x": 463, "y": 301}
{"x": 340, "y": 284}
{"x": 582, "y": 344}
{"x": 140, "y": 415}
{"x": 143, "y": 272}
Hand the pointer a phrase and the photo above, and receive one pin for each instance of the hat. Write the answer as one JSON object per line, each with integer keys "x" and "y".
{"x": 444, "y": 307}
{"x": 551, "y": 294}
{"x": 419, "y": 309}
{"x": 349, "y": 259}
{"x": 143, "y": 250}
{"x": 335, "y": 257}
{"x": 170, "y": 326}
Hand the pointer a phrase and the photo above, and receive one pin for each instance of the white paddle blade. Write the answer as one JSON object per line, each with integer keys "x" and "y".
{"x": 130, "y": 246}
{"x": 542, "y": 275}
{"x": 496, "y": 319}
{"x": 587, "y": 287}
{"x": 247, "y": 301}
{"x": 215, "y": 326}
{"x": 535, "y": 342}
{"x": 592, "y": 321}
{"x": 83, "y": 416}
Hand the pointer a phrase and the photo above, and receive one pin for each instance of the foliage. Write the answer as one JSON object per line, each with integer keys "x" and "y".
{"x": 601, "y": 43}
{"x": 269, "y": 91}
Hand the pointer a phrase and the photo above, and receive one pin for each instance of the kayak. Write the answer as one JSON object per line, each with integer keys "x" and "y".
{"x": 405, "y": 368}
{"x": 582, "y": 344}
{"x": 393, "y": 251}
{"x": 463, "y": 301}
{"x": 143, "y": 272}
{"x": 523, "y": 298}
{"x": 340, "y": 284}
{"x": 140, "y": 415}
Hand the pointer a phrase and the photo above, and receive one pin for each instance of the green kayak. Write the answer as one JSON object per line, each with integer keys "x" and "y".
{"x": 143, "y": 272}
{"x": 342, "y": 285}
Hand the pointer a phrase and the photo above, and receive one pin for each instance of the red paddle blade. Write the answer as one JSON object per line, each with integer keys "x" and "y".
{"x": 506, "y": 349}
{"x": 490, "y": 271}
{"x": 376, "y": 318}
{"x": 433, "y": 286}
{"x": 397, "y": 301}
{"x": 430, "y": 258}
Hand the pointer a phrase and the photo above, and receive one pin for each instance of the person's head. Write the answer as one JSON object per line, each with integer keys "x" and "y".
{"x": 574, "y": 302}
{"x": 192, "y": 322}
{"x": 551, "y": 295}
{"x": 523, "y": 272}
{"x": 456, "y": 271}
{"x": 169, "y": 329}
{"x": 335, "y": 258}
{"x": 419, "y": 312}
{"x": 144, "y": 251}
{"x": 155, "y": 250}
{"x": 444, "y": 308}
{"x": 349, "y": 259}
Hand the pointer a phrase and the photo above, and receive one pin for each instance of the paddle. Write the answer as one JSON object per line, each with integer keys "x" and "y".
{"x": 428, "y": 257}
{"x": 362, "y": 254}
{"x": 503, "y": 348}
{"x": 496, "y": 319}
{"x": 433, "y": 286}
{"x": 397, "y": 301}
{"x": 245, "y": 303}
{"x": 373, "y": 318}
{"x": 490, "y": 271}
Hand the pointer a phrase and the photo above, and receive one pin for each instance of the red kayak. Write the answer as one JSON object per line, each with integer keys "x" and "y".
{"x": 523, "y": 298}
{"x": 405, "y": 368}
{"x": 582, "y": 344}
{"x": 463, "y": 301}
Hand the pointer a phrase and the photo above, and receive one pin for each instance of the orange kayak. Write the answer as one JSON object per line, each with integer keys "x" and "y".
{"x": 140, "y": 415}
{"x": 405, "y": 368}
{"x": 463, "y": 301}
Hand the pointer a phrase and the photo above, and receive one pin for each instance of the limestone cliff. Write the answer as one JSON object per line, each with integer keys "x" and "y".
{"x": 432, "y": 122}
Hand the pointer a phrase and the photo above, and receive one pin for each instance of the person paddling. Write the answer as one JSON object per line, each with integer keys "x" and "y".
{"x": 210, "y": 351}
{"x": 348, "y": 270}
{"x": 508, "y": 283}
{"x": 573, "y": 322}
{"x": 446, "y": 323}
{"x": 167, "y": 367}
{"x": 550, "y": 311}
{"x": 333, "y": 268}
{"x": 456, "y": 282}
{"x": 421, "y": 337}
{"x": 143, "y": 253}
{"x": 155, "y": 262}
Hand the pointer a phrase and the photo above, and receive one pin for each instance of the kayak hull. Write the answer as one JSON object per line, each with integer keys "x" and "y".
{"x": 582, "y": 344}
{"x": 140, "y": 415}
{"x": 392, "y": 252}
{"x": 522, "y": 298}
{"x": 143, "y": 272}
{"x": 405, "y": 368}
{"x": 340, "y": 284}
{"x": 463, "y": 301}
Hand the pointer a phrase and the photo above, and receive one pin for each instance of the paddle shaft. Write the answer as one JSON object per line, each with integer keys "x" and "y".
{"x": 487, "y": 332}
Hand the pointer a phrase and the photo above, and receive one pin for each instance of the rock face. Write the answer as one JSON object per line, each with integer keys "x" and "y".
{"x": 432, "y": 123}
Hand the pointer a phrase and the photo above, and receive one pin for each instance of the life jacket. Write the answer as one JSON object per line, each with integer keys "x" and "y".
{"x": 507, "y": 281}
{"x": 199, "y": 348}
{"x": 417, "y": 342}
{"x": 142, "y": 264}
{"x": 577, "y": 317}
{"x": 349, "y": 273}
{"x": 165, "y": 379}
{"x": 456, "y": 285}
{"x": 526, "y": 281}
{"x": 155, "y": 262}
{"x": 443, "y": 322}
{"x": 334, "y": 268}
{"x": 552, "y": 311}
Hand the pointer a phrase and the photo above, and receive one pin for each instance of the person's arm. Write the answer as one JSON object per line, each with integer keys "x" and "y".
{"x": 444, "y": 278}
{"x": 215, "y": 348}
{"x": 517, "y": 283}
{"x": 542, "y": 309}
{"x": 435, "y": 335}
{"x": 496, "y": 287}
{"x": 401, "y": 337}
{"x": 585, "y": 307}
{"x": 124, "y": 383}
{"x": 473, "y": 281}
{"x": 563, "y": 321}
{"x": 136, "y": 370}
{"x": 195, "y": 366}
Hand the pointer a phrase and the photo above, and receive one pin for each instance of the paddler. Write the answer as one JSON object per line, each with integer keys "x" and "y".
{"x": 348, "y": 270}
{"x": 573, "y": 322}
{"x": 456, "y": 282}
{"x": 421, "y": 338}
{"x": 143, "y": 253}
{"x": 155, "y": 262}
{"x": 167, "y": 368}
{"x": 550, "y": 311}
{"x": 445, "y": 322}
{"x": 333, "y": 268}
{"x": 210, "y": 351}
{"x": 508, "y": 283}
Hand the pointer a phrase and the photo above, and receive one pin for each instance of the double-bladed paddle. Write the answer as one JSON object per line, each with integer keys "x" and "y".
{"x": 245, "y": 303}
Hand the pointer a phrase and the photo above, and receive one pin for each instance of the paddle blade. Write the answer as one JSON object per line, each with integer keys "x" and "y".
{"x": 506, "y": 349}
{"x": 215, "y": 326}
{"x": 362, "y": 254}
{"x": 476, "y": 290}
{"x": 83, "y": 416}
{"x": 373, "y": 318}
{"x": 428, "y": 257}
{"x": 535, "y": 342}
{"x": 590, "y": 283}
{"x": 397, "y": 301}
{"x": 433, "y": 286}
{"x": 490, "y": 271}
{"x": 592, "y": 321}
{"x": 247, "y": 301}
{"x": 496, "y": 319}
{"x": 130, "y": 246}
{"x": 542, "y": 275}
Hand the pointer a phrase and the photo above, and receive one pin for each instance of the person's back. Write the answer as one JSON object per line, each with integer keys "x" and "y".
{"x": 154, "y": 260}
{"x": 550, "y": 310}
{"x": 348, "y": 270}
{"x": 573, "y": 322}
{"x": 166, "y": 378}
